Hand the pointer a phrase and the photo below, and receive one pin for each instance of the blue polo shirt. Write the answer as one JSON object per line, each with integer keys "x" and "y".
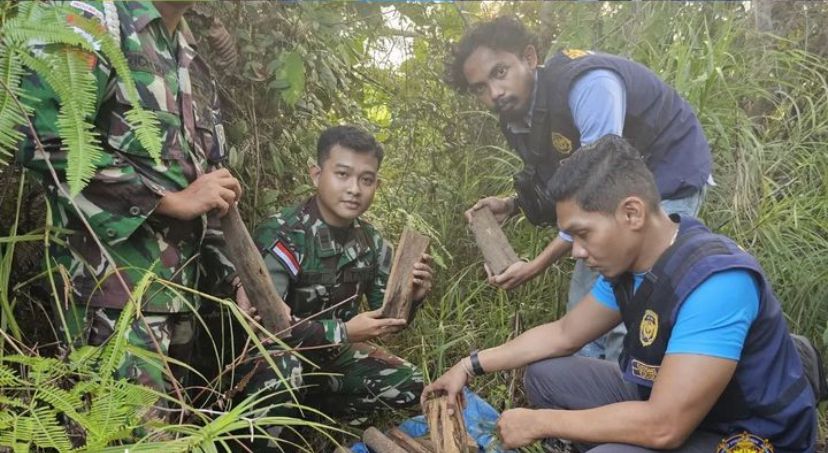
{"x": 714, "y": 319}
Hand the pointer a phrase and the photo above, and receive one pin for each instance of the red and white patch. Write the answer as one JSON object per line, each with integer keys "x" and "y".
{"x": 286, "y": 257}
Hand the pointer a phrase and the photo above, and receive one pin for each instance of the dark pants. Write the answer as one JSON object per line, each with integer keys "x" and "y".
{"x": 584, "y": 383}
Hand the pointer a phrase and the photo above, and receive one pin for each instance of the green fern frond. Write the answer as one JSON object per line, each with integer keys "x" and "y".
{"x": 44, "y": 32}
{"x": 9, "y": 402}
{"x": 8, "y": 377}
{"x": 67, "y": 403}
{"x": 114, "y": 351}
{"x": 11, "y": 117}
{"x": 146, "y": 124}
{"x": 46, "y": 431}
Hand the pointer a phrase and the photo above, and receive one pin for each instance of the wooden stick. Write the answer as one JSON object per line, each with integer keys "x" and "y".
{"x": 448, "y": 432}
{"x": 407, "y": 442}
{"x": 497, "y": 252}
{"x": 379, "y": 442}
{"x": 398, "y": 291}
{"x": 253, "y": 274}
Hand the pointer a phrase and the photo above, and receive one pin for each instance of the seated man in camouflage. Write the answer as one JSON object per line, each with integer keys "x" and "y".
{"x": 323, "y": 258}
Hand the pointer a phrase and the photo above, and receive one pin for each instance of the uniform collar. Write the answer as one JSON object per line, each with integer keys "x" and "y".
{"x": 143, "y": 13}
{"x": 326, "y": 242}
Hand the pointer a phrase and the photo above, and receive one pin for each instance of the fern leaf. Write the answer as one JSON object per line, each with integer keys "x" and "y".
{"x": 67, "y": 403}
{"x": 44, "y": 32}
{"x": 46, "y": 431}
{"x": 10, "y": 115}
{"x": 146, "y": 124}
{"x": 8, "y": 378}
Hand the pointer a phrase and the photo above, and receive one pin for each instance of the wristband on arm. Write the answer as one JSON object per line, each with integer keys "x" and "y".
{"x": 475, "y": 363}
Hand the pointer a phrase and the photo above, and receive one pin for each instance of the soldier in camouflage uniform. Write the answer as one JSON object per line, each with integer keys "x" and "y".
{"x": 159, "y": 219}
{"x": 323, "y": 259}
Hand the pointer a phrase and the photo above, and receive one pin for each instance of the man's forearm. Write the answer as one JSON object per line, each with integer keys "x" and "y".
{"x": 629, "y": 422}
{"x": 535, "y": 344}
{"x": 552, "y": 253}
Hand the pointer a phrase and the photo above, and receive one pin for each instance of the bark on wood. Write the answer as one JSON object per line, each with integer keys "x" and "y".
{"x": 398, "y": 292}
{"x": 497, "y": 252}
{"x": 407, "y": 442}
{"x": 253, "y": 274}
{"x": 448, "y": 432}
{"x": 379, "y": 442}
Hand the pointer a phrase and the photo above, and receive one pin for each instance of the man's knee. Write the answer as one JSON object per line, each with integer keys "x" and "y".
{"x": 400, "y": 387}
{"x": 540, "y": 378}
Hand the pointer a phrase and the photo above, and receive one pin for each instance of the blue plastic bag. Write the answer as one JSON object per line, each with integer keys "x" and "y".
{"x": 480, "y": 418}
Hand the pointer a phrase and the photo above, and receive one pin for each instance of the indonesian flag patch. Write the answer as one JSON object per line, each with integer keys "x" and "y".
{"x": 286, "y": 257}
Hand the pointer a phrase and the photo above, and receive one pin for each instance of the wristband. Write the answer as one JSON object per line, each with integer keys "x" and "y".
{"x": 475, "y": 363}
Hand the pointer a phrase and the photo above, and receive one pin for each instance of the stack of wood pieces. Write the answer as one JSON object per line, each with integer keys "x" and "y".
{"x": 399, "y": 290}
{"x": 447, "y": 433}
{"x": 497, "y": 252}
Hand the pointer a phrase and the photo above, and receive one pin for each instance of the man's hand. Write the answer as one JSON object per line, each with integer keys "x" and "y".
{"x": 515, "y": 428}
{"x": 501, "y": 208}
{"x": 514, "y": 276}
{"x": 451, "y": 382}
{"x": 215, "y": 190}
{"x": 369, "y": 324}
{"x": 422, "y": 277}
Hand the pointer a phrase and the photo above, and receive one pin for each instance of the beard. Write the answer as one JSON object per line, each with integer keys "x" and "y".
{"x": 510, "y": 109}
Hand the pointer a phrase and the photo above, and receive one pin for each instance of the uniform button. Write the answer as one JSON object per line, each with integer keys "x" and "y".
{"x": 110, "y": 232}
{"x": 134, "y": 210}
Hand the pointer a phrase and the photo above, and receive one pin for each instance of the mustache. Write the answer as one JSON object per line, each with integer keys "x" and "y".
{"x": 503, "y": 102}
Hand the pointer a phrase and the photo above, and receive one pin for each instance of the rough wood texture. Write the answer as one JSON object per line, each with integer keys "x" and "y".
{"x": 379, "y": 442}
{"x": 397, "y": 301}
{"x": 253, "y": 274}
{"x": 497, "y": 252}
{"x": 448, "y": 432}
{"x": 407, "y": 442}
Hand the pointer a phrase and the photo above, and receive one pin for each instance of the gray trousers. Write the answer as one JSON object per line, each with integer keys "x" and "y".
{"x": 609, "y": 346}
{"x": 583, "y": 383}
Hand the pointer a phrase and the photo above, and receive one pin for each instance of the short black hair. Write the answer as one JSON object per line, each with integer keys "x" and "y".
{"x": 350, "y": 137}
{"x": 505, "y": 33}
{"x": 599, "y": 175}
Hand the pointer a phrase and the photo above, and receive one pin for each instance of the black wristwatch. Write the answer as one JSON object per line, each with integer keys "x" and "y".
{"x": 475, "y": 363}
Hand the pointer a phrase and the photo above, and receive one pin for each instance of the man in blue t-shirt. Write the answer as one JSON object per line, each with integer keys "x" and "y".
{"x": 707, "y": 357}
{"x": 577, "y": 97}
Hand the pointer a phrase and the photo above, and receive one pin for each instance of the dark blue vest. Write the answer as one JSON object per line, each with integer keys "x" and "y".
{"x": 658, "y": 123}
{"x": 769, "y": 394}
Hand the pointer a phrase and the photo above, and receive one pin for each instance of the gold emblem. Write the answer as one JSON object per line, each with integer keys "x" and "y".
{"x": 573, "y": 54}
{"x": 644, "y": 371}
{"x": 648, "y": 331}
{"x": 561, "y": 143}
{"x": 744, "y": 443}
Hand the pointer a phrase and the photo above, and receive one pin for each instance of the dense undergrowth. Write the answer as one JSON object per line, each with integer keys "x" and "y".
{"x": 762, "y": 99}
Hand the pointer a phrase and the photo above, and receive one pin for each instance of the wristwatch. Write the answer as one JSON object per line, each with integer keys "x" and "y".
{"x": 475, "y": 363}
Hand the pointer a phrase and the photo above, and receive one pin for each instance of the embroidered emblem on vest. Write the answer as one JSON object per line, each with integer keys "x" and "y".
{"x": 573, "y": 54}
{"x": 561, "y": 143}
{"x": 644, "y": 371}
{"x": 648, "y": 331}
{"x": 744, "y": 443}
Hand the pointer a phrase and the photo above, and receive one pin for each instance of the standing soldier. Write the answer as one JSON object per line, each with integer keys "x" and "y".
{"x": 323, "y": 258}
{"x": 148, "y": 218}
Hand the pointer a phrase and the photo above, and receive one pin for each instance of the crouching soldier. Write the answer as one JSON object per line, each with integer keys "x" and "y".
{"x": 323, "y": 258}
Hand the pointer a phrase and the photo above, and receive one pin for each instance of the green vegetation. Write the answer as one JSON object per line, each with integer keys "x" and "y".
{"x": 763, "y": 101}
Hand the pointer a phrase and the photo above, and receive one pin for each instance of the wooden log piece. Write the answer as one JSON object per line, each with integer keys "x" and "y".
{"x": 407, "y": 442}
{"x": 448, "y": 432}
{"x": 379, "y": 442}
{"x": 243, "y": 253}
{"x": 397, "y": 301}
{"x": 497, "y": 252}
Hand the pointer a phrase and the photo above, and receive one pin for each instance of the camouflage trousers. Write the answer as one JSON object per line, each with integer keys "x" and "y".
{"x": 351, "y": 380}
{"x": 170, "y": 334}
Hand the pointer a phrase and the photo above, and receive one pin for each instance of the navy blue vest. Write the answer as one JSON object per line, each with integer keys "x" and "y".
{"x": 658, "y": 123}
{"x": 769, "y": 394}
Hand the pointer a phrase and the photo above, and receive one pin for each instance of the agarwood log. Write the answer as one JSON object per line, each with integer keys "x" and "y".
{"x": 497, "y": 252}
{"x": 379, "y": 442}
{"x": 399, "y": 290}
{"x": 448, "y": 432}
{"x": 253, "y": 274}
{"x": 408, "y": 443}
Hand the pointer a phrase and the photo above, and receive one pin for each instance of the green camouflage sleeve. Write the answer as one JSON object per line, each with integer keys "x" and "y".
{"x": 116, "y": 201}
{"x": 385, "y": 255}
{"x": 217, "y": 269}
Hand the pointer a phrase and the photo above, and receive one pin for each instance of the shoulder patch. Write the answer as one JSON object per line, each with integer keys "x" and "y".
{"x": 286, "y": 256}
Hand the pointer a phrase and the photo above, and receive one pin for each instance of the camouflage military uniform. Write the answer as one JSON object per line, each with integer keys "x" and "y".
{"x": 120, "y": 200}
{"x": 316, "y": 267}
